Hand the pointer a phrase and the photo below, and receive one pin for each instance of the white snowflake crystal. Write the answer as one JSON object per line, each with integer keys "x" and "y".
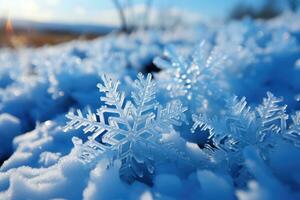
{"x": 131, "y": 128}
{"x": 189, "y": 73}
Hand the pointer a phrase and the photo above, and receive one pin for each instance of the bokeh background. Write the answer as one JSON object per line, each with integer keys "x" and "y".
{"x": 39, "y": 22}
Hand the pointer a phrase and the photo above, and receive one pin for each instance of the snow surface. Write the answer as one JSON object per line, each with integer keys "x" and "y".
{"x": 236, "y": 152}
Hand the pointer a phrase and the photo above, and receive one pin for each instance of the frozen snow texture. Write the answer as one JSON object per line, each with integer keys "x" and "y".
{"x": 239, "y": 149}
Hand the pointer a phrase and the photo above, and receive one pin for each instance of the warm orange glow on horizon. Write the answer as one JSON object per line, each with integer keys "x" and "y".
{"x": 9, "y": 26}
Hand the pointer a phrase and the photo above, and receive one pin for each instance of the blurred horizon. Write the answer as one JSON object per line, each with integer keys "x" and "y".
{"x": 104, "y": 13}
{"x": 39, "y": 22}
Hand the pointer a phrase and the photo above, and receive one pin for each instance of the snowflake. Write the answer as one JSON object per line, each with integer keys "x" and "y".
{"x": 189, "y": 73}
{"x": 193, "y": 78}
{"x": 239, "y": 126}
{"x": 217, "y": 137}
{"x": 232, "y": 130}
{"x": 131, "y": 128}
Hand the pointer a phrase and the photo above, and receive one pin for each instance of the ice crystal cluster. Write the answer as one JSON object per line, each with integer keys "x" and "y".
{"x": 209, "y": 112}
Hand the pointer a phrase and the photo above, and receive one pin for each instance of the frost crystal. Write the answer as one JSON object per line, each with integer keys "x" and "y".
{"x": 217, "y": 138}
{"x": 293, "y": 132}
{"x": 131, "y": 129}
{"x": 240, "y": 119}
{"x": 273, "y": 117}
{"x": 192, "y": 75}
{"x": 239, "y": 126}
{"x": 232, "y": 130}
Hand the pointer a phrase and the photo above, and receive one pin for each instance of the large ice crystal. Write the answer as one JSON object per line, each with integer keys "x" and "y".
{"x": 131, "y": 128}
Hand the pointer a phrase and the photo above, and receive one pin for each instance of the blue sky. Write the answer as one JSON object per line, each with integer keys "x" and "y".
{"x": 102, "y": 11}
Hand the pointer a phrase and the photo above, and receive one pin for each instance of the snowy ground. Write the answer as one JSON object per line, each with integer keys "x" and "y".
{"x": 186, "y": 132}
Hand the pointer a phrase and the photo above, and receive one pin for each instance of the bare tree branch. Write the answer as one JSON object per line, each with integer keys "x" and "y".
{"x": 121, "y": 11}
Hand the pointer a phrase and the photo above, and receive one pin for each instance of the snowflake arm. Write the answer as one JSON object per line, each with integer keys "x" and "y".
{"x": 89, "y": 123}
{"x": 173, "y": 114}
{"x": 201, "y": 122}
{"x": 143, "y": 97}
{"x": 273, "y": 116}
{"x": 88, "y": 151}
{"x": 240, "y": 119}
{"x": 293, "y": 133}
{"x": 112, "y": 96}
